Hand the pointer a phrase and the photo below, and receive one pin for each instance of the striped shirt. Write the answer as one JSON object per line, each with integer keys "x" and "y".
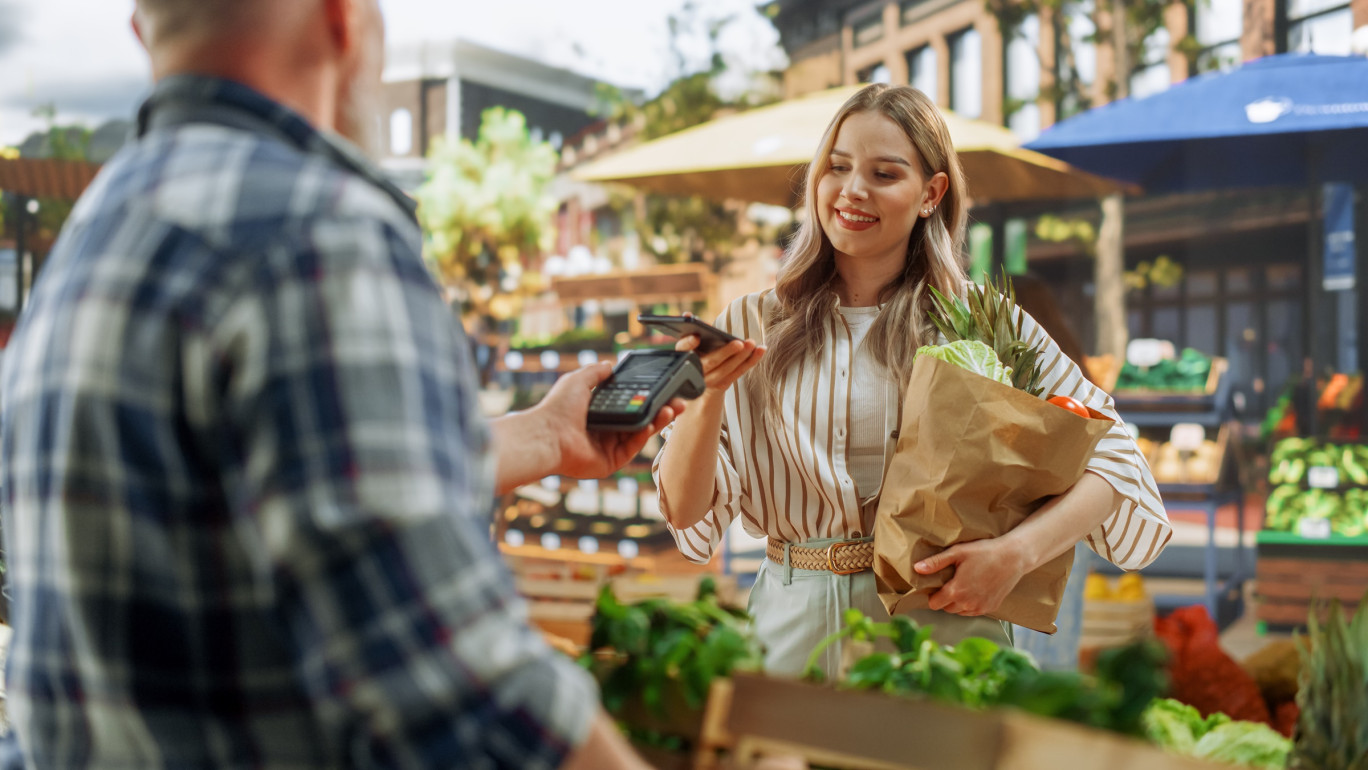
{"x": 789, "y": 480}
{"x": 246, "y": 484}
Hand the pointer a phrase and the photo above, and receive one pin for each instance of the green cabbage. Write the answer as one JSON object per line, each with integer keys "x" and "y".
{"x": 1172, "y": 724}
{"x": 1180, "y": 728}
{"x": 972, "y": 355}
{"x": 1252, "y": 744}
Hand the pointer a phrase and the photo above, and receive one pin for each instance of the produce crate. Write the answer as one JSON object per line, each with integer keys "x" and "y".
{"x": 1111, "y": 623}
{"x": 1218, "y": 368}
{"x": 751, "y": 715}
{"x": 1291, "y": 571}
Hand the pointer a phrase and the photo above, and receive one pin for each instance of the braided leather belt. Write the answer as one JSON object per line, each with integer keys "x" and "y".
{"x": 842, "y": 558}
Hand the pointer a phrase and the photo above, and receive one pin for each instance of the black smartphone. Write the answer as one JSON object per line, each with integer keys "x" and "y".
{"x": 710, "y": 337}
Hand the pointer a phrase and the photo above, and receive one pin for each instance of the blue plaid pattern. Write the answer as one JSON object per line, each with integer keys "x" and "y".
{"x": 246, "y": 485}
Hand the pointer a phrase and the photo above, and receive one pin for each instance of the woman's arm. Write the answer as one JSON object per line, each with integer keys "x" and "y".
{"x": 687, "y": 474}
{"x": 986, "y": 571}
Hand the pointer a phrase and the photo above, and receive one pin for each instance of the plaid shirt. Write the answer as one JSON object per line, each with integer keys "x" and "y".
{"x": 246, "y": 485}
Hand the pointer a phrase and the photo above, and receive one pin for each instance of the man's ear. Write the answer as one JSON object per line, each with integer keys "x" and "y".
{"x": 342, "y": 23}
{"x": 136, "y": 23}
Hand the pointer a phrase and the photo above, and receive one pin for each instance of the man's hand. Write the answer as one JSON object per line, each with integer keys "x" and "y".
{"x": 591, "y": 455}
{"x": 985, "y": 572}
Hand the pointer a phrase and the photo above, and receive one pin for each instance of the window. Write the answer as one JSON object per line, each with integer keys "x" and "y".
{"x": 1022, "y": 77}
{"x": 966, "y": 73}
{"x": 1075, "y": 57}
{"x": 921, "y": 70}
{"x": 909, "y": 11}
{"x": 1152, "y": 75}
{"x": 868, "y": 30}
{"x": 1319, "y": 26}
{"x": 1219, "y": 25}
{"x": 401, "y": 132}
{"x": 875, "y": 73}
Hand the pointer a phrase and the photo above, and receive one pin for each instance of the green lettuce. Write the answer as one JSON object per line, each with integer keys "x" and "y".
{"x": 1251, "y": 744}
{"x": 1180, "y": 728}
{"x": 972, "y": 355}
{"x": 1172, "y": 724}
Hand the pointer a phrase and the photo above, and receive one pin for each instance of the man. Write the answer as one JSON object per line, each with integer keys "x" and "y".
{"x": 246, "y": 484}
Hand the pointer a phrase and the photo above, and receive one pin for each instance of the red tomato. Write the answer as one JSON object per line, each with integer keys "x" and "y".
{"x": 1072, "y": 404}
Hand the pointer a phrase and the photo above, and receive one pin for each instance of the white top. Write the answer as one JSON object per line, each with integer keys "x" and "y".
{"x": 868, "y": 403}
{"x": 792, "y": 479}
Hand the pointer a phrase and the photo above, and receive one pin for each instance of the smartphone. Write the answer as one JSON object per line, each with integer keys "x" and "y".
{"x": 710, "y": 337}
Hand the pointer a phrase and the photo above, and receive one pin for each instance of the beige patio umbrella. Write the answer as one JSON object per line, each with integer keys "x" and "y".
{"x": 759, "y": 155}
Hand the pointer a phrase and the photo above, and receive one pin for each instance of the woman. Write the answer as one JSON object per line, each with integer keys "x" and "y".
{"x": 798, "y": 445}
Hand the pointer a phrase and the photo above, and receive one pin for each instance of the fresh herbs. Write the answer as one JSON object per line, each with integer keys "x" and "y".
{"x": 978, "y": 673}
{"x": 990, "y": 316}
{"x": 656, "y": 646}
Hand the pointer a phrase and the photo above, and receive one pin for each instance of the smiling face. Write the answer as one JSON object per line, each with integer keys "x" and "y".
{"x": 873, "y": 191}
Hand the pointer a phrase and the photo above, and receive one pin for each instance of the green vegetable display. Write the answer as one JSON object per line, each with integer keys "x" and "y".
{"x": 1188, "y": 372}
{"x": 1345, "y": 507}
{"x": 969, "y": 354}
{"x": 1291, "y": 458}
{"x": 978, "y": 674}
{"x": 1181, "y": 729}
{"x": 658, "y": 645}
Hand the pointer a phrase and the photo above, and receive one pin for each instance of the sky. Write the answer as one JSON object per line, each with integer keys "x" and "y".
{"x": 82, "y": 57}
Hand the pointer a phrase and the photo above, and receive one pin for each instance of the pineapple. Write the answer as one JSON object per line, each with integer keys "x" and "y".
{"x": 1332, "y": 729}
{"x": 986, "y": 315}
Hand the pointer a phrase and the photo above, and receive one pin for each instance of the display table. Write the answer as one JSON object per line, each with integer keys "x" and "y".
{"x": 1291, "y": 571}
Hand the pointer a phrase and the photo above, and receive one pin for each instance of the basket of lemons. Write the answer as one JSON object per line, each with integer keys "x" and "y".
{"x": 1115, "y": 613}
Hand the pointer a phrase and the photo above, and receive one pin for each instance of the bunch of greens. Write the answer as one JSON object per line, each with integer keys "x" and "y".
{"x": 1289, "y": 504}
{"x": 969, "y": 354}
{"x": 1189, "y": 372}
{"x": 1292, "y": 457}
{"x": 1332, "y": 728}
{"x": 990, "y": 316}
{"x": 654, "y": 646}
{"x": 1181, "y": 729}
{"x": 978, "y": 673}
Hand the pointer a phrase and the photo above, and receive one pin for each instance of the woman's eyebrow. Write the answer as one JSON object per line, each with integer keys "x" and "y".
{"x": 881, "y": 158}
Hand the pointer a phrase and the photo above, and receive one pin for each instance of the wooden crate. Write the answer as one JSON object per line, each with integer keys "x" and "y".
{"x": 751, "y": 715}
{"x": 1109, "y": 623}
{"x": 1287, "y": 583}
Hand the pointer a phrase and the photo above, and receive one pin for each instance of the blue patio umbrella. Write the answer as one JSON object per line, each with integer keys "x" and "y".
{"x": 1290, "y": 119}
{"x": 1285, "y": 120}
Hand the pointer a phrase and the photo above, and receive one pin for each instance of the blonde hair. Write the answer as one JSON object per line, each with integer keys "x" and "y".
{"x": 804, "y": 288}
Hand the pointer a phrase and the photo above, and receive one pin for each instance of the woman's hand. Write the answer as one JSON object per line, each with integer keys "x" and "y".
{"x": 725, "y": 365}
{"x": 985, "y": 572}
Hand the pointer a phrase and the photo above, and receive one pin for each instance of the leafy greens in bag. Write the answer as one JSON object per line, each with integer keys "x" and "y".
{"x": 972, "y": 355}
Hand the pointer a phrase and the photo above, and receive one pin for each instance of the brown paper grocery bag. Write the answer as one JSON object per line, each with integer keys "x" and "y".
{"x": 975, "y": 458}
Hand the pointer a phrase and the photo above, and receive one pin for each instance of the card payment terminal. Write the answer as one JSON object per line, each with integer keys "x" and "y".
{"x": 642, "y": 383}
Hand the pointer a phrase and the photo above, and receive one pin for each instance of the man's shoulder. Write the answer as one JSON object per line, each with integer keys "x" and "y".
{"x": 230, "y": 186}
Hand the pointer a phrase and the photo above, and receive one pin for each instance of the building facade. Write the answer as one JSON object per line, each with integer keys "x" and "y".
{"x": 1245, "y": 255}
{"x": 434, "y": 90}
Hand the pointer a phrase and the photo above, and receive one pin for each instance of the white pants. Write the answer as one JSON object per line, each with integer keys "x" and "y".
{"x": 794, "y": 609}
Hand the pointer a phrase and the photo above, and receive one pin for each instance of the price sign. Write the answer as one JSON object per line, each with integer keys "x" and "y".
{"x": 1148, "y": 352}
{"x": 1321, "y": 477}
{"x": 1314, "y": 529}
{"x": 1187, "y": 436}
